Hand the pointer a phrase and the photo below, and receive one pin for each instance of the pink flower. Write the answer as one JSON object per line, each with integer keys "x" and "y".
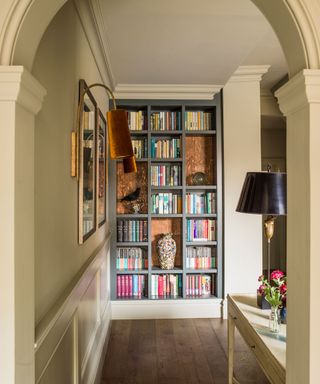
{"x": 261, "y": 278}
{"x": 283, "y": 289}
{"x": 261, "y": 289}
{"x": 275, "y": 275}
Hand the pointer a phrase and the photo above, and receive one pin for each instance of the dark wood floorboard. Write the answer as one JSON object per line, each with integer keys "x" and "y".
{"x": 183, "y": 351}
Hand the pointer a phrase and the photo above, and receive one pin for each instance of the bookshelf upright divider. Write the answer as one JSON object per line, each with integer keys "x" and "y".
{"x": 178, "y": 146}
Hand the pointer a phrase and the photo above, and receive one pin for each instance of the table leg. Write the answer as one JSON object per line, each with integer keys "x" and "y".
{"x": 231, "y": 327}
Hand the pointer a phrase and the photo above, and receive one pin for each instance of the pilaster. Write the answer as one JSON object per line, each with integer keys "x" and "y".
{"x": 21, "y": 98}
{"x": 299, "y": 100}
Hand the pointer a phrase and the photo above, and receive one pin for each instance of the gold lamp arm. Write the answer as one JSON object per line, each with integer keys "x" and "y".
{"x": 118, "y": 138}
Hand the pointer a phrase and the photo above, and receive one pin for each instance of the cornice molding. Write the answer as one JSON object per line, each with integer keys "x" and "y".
{"x": 90, "y": 16}
{"x": 248, "y": 73}
{"x": 18, "y": 85}
{"x": 302, "y": 90}
{"x": 166, "y": 91}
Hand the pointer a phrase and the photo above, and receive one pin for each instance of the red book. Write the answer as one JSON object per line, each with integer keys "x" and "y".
{"x": 200, "y": 285}
{"x": 126, "y": 285}
{"x": 187, "y": 285}
{"x": 139, "y": 285}
{"x": 168, "y": 285}
{"x": 122, "y": 286}
{"x": 192, "y": 285}
{"x": 130, "y": 286}
{"x": 160, "y": 286}
{"x": 118, "y": 286}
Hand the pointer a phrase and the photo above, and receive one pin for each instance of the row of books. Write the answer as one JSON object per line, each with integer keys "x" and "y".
{"x": 198, "y": 203}
{"x": 137, "y": 120}
{"x": 166, "y": 175}
{"x": 201, "y": 230}
{"x": 166, "y": 203}
{"x": 198, "y": 121}
{"x": 130, "y": 259}
{"x": 89, "y": 120}
{"x": 167, "y": 285}
{"x": 133, "y": 286}
{"x": 199, "y": 285}
{"x": 140, "y": 148}
{"x": 200, "y": 258}
{"x": 132, "y": 230}
{"x": 166, "y": 121}
{"x": 165, "y": 148}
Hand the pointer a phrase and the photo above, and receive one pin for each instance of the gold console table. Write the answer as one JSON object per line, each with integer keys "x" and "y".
{"x": 253, "y": 325}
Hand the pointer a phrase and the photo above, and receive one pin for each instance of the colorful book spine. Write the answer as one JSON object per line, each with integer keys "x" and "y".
{"x": 198, "y": 121}
{"x": 165, "y": 148}
{"x": 166, "y": 203}
{"x": 166, "y": 175}
{"x": 200, "y": 258}
{"x": 166, "y": 121}
{"x": 137, "y": 120}
{"x": 131, "y": 286}
{"x": 131, "y": 259}
{"x": 140, "y": 148}
{"x": 200, "y": 202}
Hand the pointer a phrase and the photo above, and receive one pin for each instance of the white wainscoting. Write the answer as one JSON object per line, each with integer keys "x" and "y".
{"x": 69, "y": 347}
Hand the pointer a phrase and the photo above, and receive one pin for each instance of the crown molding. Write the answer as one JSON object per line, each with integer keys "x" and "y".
{"x": 166, "y": 91}
{"x": 300, "y": 91}
{"x": 248, "y": 73}
{"x": 91, "y": 19}
{"x": 18, "y": 85}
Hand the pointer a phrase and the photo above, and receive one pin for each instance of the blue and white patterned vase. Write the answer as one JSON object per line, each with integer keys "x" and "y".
{"x": 167, "y": 251}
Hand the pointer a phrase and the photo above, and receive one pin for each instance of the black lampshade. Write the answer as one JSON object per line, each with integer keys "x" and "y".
{"x": 264, "y": 193}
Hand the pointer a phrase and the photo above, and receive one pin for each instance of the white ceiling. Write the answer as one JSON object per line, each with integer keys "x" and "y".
{"x": 187, "y": 41}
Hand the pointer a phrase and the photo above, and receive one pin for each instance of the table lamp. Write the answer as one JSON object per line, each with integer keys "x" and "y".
{"x": 265, "y": 193}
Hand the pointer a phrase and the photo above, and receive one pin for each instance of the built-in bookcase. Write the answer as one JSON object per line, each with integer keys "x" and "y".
{"x": 178, "y": 148}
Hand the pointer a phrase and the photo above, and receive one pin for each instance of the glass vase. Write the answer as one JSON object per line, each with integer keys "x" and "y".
{"x": 274, "y": 320}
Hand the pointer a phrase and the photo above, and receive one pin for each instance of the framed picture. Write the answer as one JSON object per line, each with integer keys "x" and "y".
{"x": 101, "y": 170}
{"x": 87, "y": 183}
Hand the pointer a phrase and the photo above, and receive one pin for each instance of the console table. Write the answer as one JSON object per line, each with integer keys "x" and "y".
{"x": 253, "y": 325}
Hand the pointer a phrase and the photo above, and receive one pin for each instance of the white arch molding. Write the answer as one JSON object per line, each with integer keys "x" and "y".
{"x": 294, "y": 23}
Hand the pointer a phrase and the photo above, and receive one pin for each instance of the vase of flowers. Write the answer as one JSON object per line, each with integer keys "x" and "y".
{"x": 275, "y": 293}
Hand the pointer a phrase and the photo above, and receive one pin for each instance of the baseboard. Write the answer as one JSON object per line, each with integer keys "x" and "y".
{"x": 165, "y": 309}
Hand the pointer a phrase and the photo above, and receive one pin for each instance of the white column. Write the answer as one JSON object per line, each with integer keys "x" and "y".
{"x": 242, "y": 153}
{"x": 20, "y": 99}
{"x": 299, "y": 101}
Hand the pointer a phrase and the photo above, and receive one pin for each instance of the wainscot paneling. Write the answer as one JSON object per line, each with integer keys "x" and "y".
{"x": 70, "y": 340}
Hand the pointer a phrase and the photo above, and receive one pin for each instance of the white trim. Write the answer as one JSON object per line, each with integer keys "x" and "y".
{"x": 17, "y": 84}
{"x": 167, "y": 309}
{"x": 298, "y": 92}
{"x": 167, "y": 91}
{"x": 248, "y": 73}
{"x": 90, "y": 17}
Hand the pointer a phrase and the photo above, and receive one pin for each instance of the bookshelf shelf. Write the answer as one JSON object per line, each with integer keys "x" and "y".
{"x": 168, "y": 157}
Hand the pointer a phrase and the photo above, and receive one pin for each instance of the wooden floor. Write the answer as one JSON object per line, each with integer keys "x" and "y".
{"x": 187, "y": 351}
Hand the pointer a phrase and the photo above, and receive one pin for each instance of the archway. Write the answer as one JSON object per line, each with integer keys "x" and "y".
{"x": 27, "y": 21}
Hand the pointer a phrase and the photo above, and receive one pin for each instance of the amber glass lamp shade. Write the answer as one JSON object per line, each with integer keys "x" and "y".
{"x": 129, "y": 164}
{"x": 119, "y": 135}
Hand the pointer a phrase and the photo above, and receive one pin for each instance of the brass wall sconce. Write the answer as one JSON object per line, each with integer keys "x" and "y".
{"x": 118, "y": 133}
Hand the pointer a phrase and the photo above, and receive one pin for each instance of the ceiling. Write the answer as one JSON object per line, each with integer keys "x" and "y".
{"x": 187, "y": 41}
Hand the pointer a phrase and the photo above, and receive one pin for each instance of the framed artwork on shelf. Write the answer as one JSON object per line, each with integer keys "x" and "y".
{"x": 87, "y": 183}
{"x": 101, "y": 169}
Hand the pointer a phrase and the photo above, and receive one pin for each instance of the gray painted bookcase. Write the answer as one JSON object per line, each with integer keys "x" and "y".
{"x": 198, "y": 148}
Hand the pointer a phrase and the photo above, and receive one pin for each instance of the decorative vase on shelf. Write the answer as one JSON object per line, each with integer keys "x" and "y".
{"x": 167, "y": 251}
{"x": 275, "y": 320}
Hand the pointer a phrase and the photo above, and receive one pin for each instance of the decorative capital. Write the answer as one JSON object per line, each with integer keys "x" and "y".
{"x": 17, "y": 84}
{"x": 248, "y": 73}
{"x": 303, "y": 89}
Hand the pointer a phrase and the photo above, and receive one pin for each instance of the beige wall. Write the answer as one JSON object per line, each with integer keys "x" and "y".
{"x": 243, "y": 248}
{"x": 63, "y": 57}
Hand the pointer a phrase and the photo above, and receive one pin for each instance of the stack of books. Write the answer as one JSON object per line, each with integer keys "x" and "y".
{"x": 166, "y": 121}
{"x": 137, "y": 120}
{"x": 166, "y": 286}
{"x": 199, "y": 285}
{"x": 131, "y": 286}
{"x": 198, "y": 121}
{"x": 201, "y": 230}
{"x": 200, "y": 258}
{"x": 200, "y": 202}
{"x": 166, "y": 175}
{"x": 166, "y": 203}
{"x": 132, "y": 230}
{"x": 131, "y": 259}
{"x": 165, "y": 148}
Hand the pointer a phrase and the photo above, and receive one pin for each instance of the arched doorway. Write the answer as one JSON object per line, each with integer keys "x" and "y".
{"x": 28, "y": 20}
